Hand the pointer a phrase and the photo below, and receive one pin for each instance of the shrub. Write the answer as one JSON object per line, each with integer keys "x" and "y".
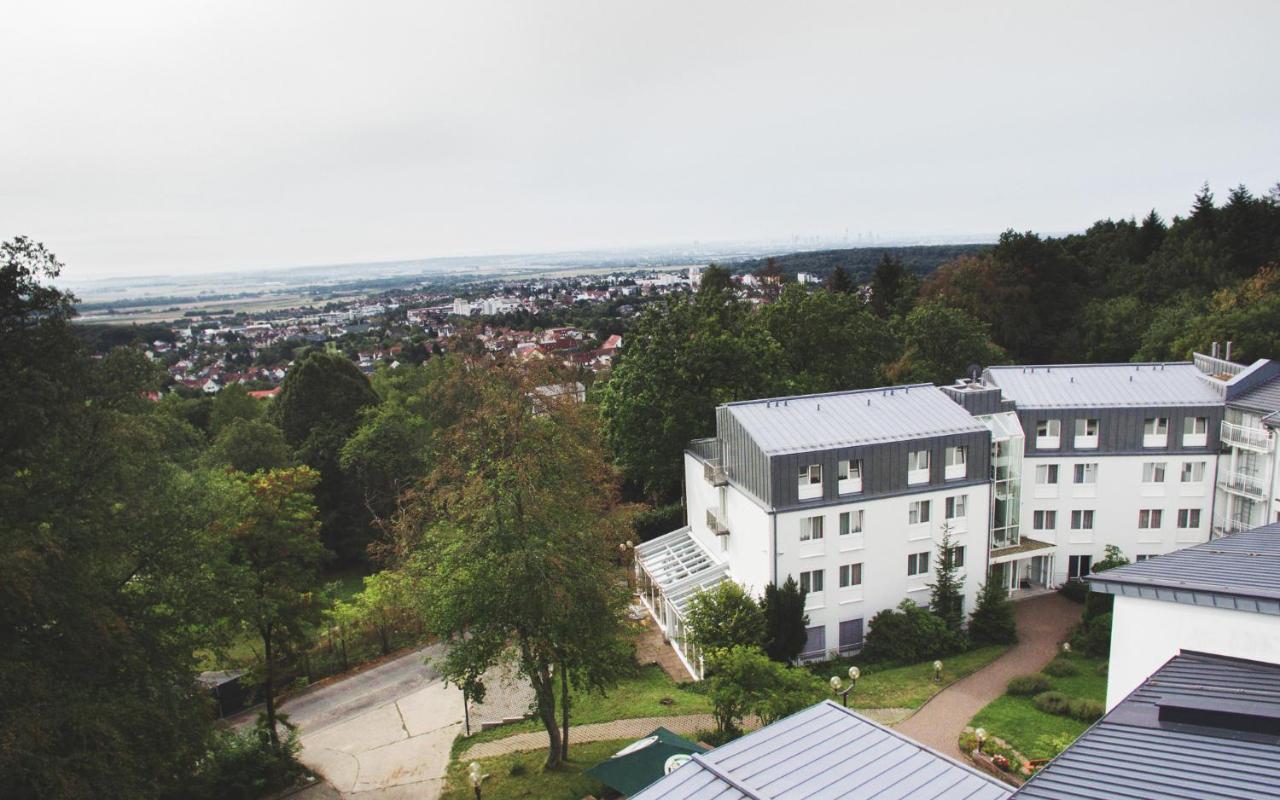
{"x": 992, "y": 620}
{"x": 651, "y": 523}
{"x": 1000, "y": 761}
{"x": 243, "y": 766}
{"x": 910, "y": 634}
{"x": 723, "y": 617}
{"x": 1074, "y": 590}
{"x": 1061, "y": 668}
{"x": 1027, "y": 685}
{"x": 745, "y": 681}
{"x": 1093, "y": 637}
{"x": 1053, "y": 702}
{"x": 1085, "y": 710}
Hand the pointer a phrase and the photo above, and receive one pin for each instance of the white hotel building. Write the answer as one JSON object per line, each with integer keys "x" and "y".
{"x": 1034, "y": 469}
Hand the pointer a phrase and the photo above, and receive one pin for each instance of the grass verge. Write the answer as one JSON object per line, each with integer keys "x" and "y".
{"x": 641, "y": 695}
{"x": 908, "y": 686}
{"x": 520, "y": 775}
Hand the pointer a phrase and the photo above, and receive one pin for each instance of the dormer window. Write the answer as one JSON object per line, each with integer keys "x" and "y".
{"x": 1155, "y": 432}
{"x": 1048, "y": 434}
{"x": 918, "y": 466}
{"x": 957, "y": 463}
{"x": 811, "y": 482}
{"x": 849, "y": 476}
{"x": 1195, "y": 431}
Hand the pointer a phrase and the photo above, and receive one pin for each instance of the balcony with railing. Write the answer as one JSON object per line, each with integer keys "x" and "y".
{"x": 714, "y": 472}
{"x": 1232, "y": 526}
{"x": 1252, "y": 438}
{"x": 716, "y": 522}
{"x": 1243, "y": 483}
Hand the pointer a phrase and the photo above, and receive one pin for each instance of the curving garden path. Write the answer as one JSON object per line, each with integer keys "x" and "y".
{"x": 1043, "y": 623}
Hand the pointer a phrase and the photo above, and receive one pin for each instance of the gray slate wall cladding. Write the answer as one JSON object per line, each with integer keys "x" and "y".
{"x": 746, "y": 464}
{"x": 979, "y": 401}
{"x": 884, "y": 469}
{"x": 1120, "y": 430}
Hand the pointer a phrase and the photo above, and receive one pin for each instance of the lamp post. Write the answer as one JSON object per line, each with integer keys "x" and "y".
{"x": 837, "y": 684}
{"x": 1066, "y": 647}
{"x": 937, "y": 672}
{"x": 981, "y": 735}
{"x": 625, "y": 552}
{"x": 475, "y": 777}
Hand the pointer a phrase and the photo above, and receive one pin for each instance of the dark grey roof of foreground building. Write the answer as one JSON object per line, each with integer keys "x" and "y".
{"x": 1202, "y": 727}
{"x": 1239, "y": 571}
{"x": 829, "y": 753}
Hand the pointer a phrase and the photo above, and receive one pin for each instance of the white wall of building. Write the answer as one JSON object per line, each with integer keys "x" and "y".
{"x": 1147, "y": 633}
{"x": 882, "y": 549}
{"x": 1116, "y": 498}
{"x": 747, "y": 547}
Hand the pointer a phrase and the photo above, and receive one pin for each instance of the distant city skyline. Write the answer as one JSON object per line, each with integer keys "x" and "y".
{"x": 153, "y": 138}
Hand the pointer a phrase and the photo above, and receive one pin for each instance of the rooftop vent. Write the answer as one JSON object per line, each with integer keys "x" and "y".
{"x": 1226, "y": 714}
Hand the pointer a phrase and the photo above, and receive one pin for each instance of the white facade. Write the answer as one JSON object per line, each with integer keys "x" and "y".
{"x": 1147, "y": 633}
{"x": 1082, "y": 457}
{"x": 1141, "y": 504}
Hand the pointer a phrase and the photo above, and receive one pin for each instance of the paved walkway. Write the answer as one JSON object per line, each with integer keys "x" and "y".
{"x": 651, "y": 648}
{"x": 1043, "y": 623}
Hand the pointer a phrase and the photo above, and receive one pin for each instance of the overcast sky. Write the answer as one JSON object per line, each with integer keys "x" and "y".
{"x": 170, "y": 137}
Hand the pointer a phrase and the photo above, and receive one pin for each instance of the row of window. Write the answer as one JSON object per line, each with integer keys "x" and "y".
{"x": 849, "y": 472}
{"x": 1082, "y": 519}
{"x": 1152, "y": 472}
{"x": 850, "y": 575}
{"x": 1195, "y": 431}
{"x": 955, "y": 507}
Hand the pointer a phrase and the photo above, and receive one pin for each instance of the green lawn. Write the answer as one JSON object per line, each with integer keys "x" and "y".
{"x": 1031, "y": 731}
{"x": 906, "y": 687}
{"x": 638, "y": 696}
{"x": 566, "y": 783}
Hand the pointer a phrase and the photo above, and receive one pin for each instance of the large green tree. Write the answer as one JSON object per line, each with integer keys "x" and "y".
{"x": 939, "y": 345}
{"x": 272, "y": 567}
{"x": 829, "y": 342}
{"x": 104, "y": 541}
{"x": 318, "y": 409}
{"x": 724, "y": 616}
{"x": 785, "y": 620}
{"x": 512, "y": 538}
{"x": 684, "y": 357}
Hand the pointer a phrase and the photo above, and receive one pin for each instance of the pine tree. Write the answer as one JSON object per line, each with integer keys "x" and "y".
{"x": 784, "y": 620}
{"x": 946, "y": 597}
{"x": 838, "y": 281}
{"x": 992, "y": 622}
{"x": 1203, "y": 212}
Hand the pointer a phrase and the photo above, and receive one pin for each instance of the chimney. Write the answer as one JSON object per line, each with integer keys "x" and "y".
{"x": 1227, "y": 357}
{"x": 1214, "y": 351}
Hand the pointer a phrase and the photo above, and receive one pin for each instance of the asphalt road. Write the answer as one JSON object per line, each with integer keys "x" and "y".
{"x": 320, "y": 707}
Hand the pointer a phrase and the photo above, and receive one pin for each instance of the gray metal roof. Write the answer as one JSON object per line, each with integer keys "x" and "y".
{"x": 1133, "y": 753}
{"x": 1239, "y": 571}
{"x": 1264, "y": 398}
{"x": 1105, "y": 385}
{"x": 824, "y": 752}
{"x": 846, "y": 419}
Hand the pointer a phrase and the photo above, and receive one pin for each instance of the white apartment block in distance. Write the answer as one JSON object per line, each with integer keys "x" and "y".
{"x": 1035, "y": 469}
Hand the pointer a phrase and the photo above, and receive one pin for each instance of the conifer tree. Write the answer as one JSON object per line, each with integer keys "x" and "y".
{"x": 946, "y": 597}
{"x": 784, "y": 620}
{"x": 992, "y": 621}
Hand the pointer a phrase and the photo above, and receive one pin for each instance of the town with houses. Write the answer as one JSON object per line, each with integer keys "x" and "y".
{"x": 209, "y": 352}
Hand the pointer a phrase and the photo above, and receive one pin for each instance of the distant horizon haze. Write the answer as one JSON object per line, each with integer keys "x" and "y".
{"x": 146, "y": 138}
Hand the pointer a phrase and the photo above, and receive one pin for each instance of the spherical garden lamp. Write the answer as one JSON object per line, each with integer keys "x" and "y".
{"x": 937, "y": 672}
{"x": 981, "y": 735}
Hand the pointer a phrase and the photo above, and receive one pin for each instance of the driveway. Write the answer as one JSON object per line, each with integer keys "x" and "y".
{"x": 1043, "y": 623}
{"x": 382, "y": 734}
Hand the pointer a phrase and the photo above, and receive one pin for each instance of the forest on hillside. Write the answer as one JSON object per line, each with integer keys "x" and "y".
{"x": 860, "y": 262}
